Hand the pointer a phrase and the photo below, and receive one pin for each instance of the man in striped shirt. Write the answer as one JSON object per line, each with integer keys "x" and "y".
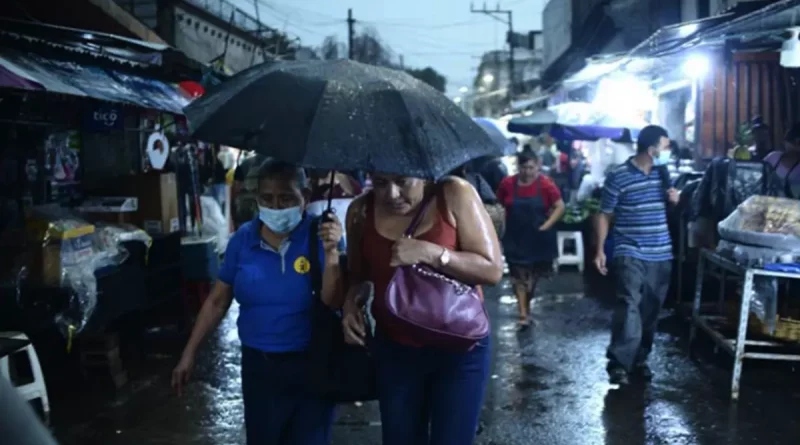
{"x": 636, "y": 195}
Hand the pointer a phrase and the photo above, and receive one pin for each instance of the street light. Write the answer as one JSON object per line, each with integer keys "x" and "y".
{"x": 696, "y": 66}
{"x": 457, "y": 99}
{"x": 463, "y": 90}
{"x": 488, "y": 78}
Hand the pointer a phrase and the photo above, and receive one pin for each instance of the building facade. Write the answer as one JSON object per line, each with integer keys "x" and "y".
{"x": 493, "y": 89}
{"x": 212, "y": 31}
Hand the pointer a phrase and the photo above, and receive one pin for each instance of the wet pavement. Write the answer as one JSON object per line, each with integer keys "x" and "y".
{"x": 548, "y": 387}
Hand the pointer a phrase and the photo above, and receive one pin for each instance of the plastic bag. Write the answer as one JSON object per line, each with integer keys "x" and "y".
{"x": 65, "y": 256}
{"x": 765, "y": 293}
{"x": 754, "y": 256}
{"x": 764, "y": 221}
{"x": 108, "y": 241}
{"x": 214, "y": 222}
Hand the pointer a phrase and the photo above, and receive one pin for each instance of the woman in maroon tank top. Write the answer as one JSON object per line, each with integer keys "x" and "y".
{"x": 428, "y": 396}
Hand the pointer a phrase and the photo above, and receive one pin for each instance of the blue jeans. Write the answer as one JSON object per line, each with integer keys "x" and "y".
{"x": 278, "y": 409}
{"x": 430, "y": 396}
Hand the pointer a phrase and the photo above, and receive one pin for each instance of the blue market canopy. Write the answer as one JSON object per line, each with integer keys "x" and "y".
{"x": 496, "y": 134}
{"x": 578, "y": 121}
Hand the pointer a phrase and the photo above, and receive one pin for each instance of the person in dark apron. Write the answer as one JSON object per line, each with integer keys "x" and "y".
{"x": 533, "y": 206}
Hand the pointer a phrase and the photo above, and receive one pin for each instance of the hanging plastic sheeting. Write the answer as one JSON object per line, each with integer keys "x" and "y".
{"x": 603, "y": 154}
{"x": 88, "y": 81}
{"x": 579, "y": 121}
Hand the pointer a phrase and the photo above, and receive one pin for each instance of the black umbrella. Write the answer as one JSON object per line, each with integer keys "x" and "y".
{"x": 340, "y": 115}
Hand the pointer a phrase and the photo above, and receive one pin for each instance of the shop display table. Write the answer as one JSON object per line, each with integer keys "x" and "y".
{"x": 737, "y": 346}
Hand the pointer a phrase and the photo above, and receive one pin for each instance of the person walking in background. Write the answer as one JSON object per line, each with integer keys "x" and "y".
{"x": 492, "y": 169}
{"x": 344, "y": 186}
{"x": 636, "y": 196}
{"x": 533, "y": 206}
{"x": 786, "y": 162}
{"x": 427, "y": 395}
{"x": 548, "y": 153}
{"x": 266, "y": 270}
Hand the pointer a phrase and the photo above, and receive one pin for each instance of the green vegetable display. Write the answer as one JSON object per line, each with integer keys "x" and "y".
{"x": 579, "y": 212}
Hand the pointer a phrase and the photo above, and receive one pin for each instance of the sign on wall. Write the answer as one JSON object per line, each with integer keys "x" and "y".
{"x": 104, "y": 118}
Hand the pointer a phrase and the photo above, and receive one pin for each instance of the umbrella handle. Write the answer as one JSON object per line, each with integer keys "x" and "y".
{"x": 327, "y": 215}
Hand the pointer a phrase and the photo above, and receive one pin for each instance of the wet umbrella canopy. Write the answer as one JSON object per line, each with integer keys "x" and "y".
{"x": 340, "y": 115}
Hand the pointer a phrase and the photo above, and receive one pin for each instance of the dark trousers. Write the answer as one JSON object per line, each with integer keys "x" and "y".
{"x": 430, "y": 396}
{"x": 278, "y": 409}
{"x": 641, "y": 288}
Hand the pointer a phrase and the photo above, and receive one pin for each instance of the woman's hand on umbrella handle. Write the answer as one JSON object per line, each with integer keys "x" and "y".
{"x": 330, "y": 232}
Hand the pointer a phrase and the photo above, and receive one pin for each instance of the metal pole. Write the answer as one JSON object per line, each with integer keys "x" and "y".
{"x": 510, "y": 37}
{"x": 512, "y": 87}
{"x": 350, "y": 33}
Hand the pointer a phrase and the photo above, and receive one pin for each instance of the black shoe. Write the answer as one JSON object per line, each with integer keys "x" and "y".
{"x": 618, "y": 376}
{"x": 643, "y": 372}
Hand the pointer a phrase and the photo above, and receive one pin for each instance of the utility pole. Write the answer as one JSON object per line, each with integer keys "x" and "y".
{"x": 402, "y": 62}
{"x": 508, "y": 21}
{"x": 351, "y": 22}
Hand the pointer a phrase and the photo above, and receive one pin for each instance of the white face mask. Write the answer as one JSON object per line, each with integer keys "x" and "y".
{"x": 280, "y": 221}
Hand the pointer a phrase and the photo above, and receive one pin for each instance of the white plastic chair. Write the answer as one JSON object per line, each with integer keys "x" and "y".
{"x": 36, "y": 389}
{"x": 565, "y": 259}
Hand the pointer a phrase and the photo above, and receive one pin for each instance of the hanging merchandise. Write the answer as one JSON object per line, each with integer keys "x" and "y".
{"x": 62, "y": 157}
{"x": 157, "y": 150}
{"x": 790, "y": 50}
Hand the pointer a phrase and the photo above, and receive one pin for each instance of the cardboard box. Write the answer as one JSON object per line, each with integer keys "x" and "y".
{"x": 157, "y": 199}
{"x": 65, "y": 243}
{"x": 158, "y": 202}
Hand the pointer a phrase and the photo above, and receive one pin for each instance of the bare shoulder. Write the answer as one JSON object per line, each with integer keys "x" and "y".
{"x": 456, "y": 189}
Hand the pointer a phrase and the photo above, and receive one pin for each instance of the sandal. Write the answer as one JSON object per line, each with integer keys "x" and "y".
{"x": 524, "y": 324}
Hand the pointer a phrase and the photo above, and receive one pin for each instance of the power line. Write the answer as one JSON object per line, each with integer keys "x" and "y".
{"x": 432, "y": 27}
{"x": 439, "y": 53}
{"x": 305, "y": 11}
{"x": 300, "y": 25}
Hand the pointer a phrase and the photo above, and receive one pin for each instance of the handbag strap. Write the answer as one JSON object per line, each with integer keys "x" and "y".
{"x": 412, "y": 228}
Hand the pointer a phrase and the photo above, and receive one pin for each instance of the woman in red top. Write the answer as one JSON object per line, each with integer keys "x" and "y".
{"x": 427, "y": 395}
{"x": 533, "y": 206}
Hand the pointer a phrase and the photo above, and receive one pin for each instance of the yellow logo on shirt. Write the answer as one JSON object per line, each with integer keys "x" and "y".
{"x": 302, "y": 265}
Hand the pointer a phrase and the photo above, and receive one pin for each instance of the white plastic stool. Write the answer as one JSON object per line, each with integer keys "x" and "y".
{"x": 575, "y": 259}
{"x": 36, "y": 389}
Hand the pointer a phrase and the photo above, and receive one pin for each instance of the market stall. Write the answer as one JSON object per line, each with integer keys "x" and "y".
{"x": 100, "y": 179}
{"x": 760, "y": 247}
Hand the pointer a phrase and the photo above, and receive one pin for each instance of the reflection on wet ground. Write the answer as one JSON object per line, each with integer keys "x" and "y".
{"x": 548, "y": 387}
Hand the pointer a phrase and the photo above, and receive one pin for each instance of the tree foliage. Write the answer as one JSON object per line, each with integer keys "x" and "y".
{"x": 431, "y": 77}
{"x": 369, "y": 48}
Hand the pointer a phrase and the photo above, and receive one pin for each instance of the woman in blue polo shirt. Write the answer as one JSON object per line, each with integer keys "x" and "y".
{"x": 266, "y": 270}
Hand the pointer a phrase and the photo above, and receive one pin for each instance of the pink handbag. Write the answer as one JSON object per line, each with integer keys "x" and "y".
{"x": 437, "y": 310}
